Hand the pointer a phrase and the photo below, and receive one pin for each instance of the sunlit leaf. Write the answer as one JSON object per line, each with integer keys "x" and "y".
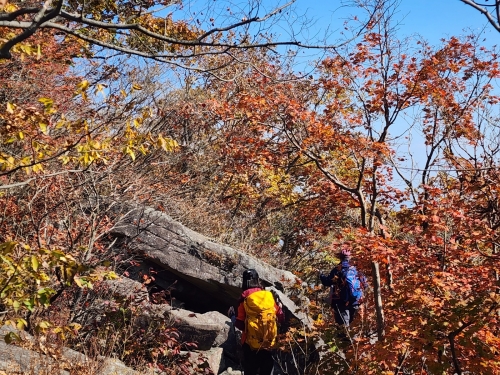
{"x": 10, "y": 107}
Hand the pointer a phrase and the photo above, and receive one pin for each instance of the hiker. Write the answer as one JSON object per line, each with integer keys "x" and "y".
{"x": 257, "y": 316}
{"x": 345, "y": 289}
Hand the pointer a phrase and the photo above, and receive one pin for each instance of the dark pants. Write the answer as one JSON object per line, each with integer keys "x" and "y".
{"x": 344, "y": 315}
{"x": 253, "y": 360}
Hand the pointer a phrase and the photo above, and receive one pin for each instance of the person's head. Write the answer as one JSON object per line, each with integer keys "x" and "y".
{"x": 250, "y": 279}
{"x": 344, "y": 254}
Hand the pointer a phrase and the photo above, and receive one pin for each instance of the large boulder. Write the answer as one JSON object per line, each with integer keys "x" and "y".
{"x": 208, "y": 330}
{"x": 205, "y": 275}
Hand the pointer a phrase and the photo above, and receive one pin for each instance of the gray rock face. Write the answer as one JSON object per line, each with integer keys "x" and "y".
{"x": 208, "y": 330}
{"x": 128, "y": 289}
{"x": 212, "y": 359}
{"x": 14, "y": 359}
{"x": 202, "y": 270}
{"x": 112, "y": 366}
{"x": 18, "y": 360}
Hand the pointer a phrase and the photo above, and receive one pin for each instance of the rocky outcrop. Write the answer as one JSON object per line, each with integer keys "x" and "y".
{"x": 63, "y": 361}
{"x": 202, "y": 277}
{"x": 205, "y": 275}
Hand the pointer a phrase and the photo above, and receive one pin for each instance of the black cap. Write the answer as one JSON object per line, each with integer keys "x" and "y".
{"x": 250, "y": 279}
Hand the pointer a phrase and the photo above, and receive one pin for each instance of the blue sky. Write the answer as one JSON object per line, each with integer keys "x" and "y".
{"x": 433, "y": 19}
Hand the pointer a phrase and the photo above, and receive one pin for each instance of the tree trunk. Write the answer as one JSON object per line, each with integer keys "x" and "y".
{"x": 378, "y": 301}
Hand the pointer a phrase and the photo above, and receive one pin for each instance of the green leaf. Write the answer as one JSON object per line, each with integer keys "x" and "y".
{"x": 30, "y": 304}
{"x": 7, "y": 247}
{"x": 11, "y": 337}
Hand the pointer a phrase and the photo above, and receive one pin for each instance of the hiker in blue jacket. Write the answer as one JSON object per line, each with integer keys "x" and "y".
{"x": 344, "y": 304}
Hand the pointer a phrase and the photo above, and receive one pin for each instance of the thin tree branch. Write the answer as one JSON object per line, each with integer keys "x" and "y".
{"x": 19, "y": 184}
{"x": 41, "y": 17}
{"x": 488, "y": 15}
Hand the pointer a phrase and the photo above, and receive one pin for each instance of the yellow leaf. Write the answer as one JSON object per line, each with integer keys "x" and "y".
{"x": 7, "y": 247}
{"x": 65, "y": 159}
{"x": 38, "y": 168}
{"x": 44, "y": 325}
{"x": 99, "y": 88}
{"x": 21, "y": 323}
{"x": 43, "y": 127}
{"x": 47, "y": 102}
{"x": 60, "y": 124}
{"x": 75, "y": 326}
{"x": 84, "y": 85}
{"x": 111, "y": 275}
{"x": 136, "y": 86}
{"x": 131, "y": 152}
{"x": 34, "y": 263}
{"x": 26, "y": 48}
{"x": 21, "y": 135}
{"x": 10, "y": 107}
{"x": 9, "y": 8}
{"x": 38, "y": 52}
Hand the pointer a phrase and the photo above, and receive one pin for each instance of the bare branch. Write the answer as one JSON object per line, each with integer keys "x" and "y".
{"x": 246, "y": 22}
{"x": 42, "y": 16}
{"x": 488, "y": 15}
{"x": 23, "y": 183}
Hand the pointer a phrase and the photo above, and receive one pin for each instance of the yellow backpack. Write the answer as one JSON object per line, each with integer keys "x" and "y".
{"x": 260, "y": 325}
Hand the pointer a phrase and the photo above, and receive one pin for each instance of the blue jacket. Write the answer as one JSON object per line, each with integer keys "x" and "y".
{"x": 341, "y": 295}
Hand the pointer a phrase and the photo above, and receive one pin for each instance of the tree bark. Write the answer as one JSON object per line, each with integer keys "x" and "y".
{"x": 378, "y": 301}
